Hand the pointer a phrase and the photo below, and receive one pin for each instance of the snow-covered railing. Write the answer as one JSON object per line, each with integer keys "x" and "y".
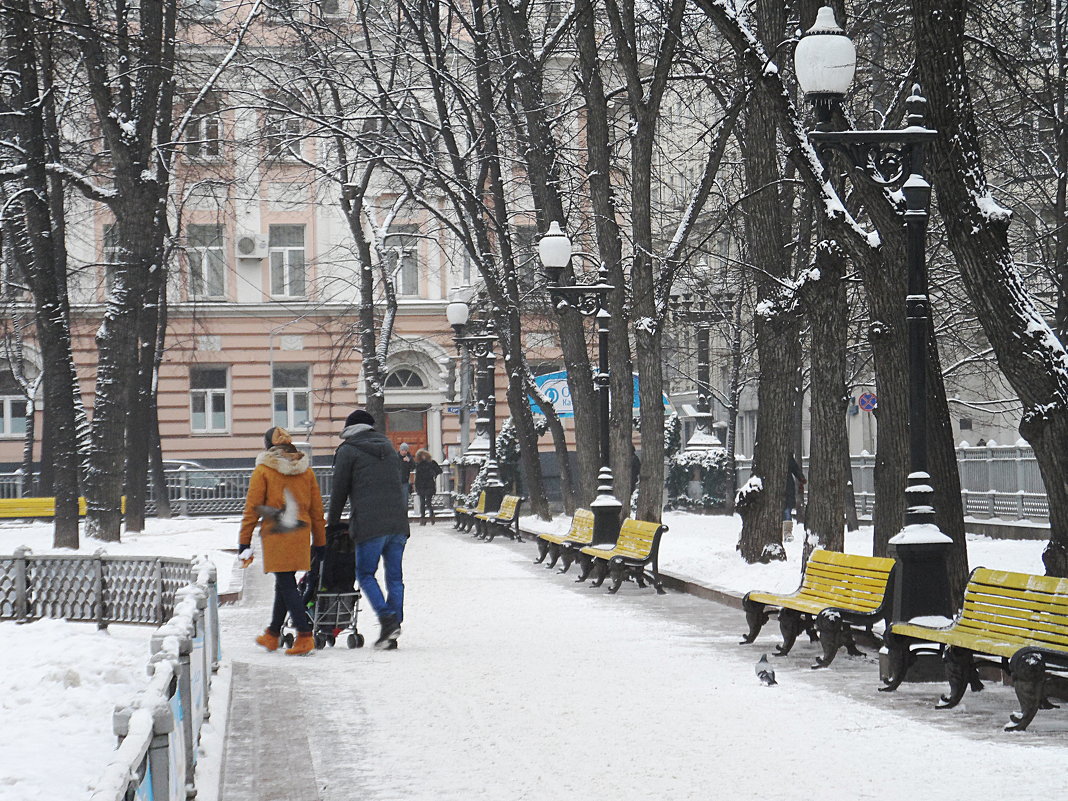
{"x": 159, "y": 730}
{"x": 98, "y": 588}
{"x": 996, "y": 481}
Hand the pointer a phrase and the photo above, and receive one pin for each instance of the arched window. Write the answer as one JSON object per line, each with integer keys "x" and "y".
{"x": 404, "y": 378}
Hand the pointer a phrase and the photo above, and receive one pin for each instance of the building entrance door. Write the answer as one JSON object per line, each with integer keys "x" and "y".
{"x": 407, "y": 425}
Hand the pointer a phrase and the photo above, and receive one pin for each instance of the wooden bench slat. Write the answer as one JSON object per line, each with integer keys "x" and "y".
{"x": 872, "y": 578}
{"x": 1020, "y": 581}
{"x": 856, "y": 562}
{"x": 1020, "y": 599}
{"x": 1056, "y": 622}
{"x": 1036, "y": 633}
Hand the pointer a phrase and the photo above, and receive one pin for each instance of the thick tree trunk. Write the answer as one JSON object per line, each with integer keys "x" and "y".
{"x": 40, "y": 243}
{"x": 826, "y": 306}
{"x": 778, "y": 348}
{"x": 139, "y": 418}
{"x": 1028, "y": 354}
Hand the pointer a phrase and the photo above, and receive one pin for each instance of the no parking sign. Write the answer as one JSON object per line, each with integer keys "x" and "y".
{"x": 868, "y": 402}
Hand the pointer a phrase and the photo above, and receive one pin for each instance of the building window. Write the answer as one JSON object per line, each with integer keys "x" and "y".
{"x": 402, "y": 250}
{"x": 525, "y": 254}
{"x": 14, "y": 422}
{"x": 208, "y": 400}
{"x": 207, "y": 264}
{"x": 283, "y": 126}
{"x": 330, "y": 8}
{"x": 288, "y": 271}
{"x": 111, "y": 254}
{"x": 292, "y": 396}
{"x": 403, "y": 378}
{"x": 965, "y": 424}
{"x": 203, "y": 135}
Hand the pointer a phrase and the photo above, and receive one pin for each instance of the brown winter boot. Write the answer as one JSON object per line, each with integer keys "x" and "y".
{"x": 304, "y": 644}
{"x": 269, "y": 639}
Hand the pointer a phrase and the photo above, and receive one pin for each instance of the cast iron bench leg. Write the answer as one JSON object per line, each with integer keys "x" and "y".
{"x": 755, "y": 617}
{"x": 543, "y": 551}
{"x": 790, "y": 625}
{"x": 961, "y": 672}
{"x": 1029, "y": 680}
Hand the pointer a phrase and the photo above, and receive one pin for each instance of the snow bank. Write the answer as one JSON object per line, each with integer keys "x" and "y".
{"x": 59, "y": 684}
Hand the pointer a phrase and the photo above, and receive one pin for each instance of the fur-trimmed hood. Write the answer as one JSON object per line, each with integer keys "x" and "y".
{"x": 284, "y": 461}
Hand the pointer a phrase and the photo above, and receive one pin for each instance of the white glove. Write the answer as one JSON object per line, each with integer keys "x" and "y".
{"x": 245, "y": 555}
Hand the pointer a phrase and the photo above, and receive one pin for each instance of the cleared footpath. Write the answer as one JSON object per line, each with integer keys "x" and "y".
{"x": 512, "y": 682}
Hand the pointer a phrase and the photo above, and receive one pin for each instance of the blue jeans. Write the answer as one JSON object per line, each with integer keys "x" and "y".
{"x": 389, "y": 549}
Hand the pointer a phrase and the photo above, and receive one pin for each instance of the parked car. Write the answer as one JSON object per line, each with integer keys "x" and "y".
{"x": 200, "y": 481}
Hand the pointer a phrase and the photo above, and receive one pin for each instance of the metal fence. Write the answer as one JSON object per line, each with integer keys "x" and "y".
{"x": 1000, "y": 481}
{"x": 102, "y": 589}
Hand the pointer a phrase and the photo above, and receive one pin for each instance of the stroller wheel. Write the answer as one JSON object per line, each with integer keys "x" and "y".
{"x": 287, "y": 639}
{"x": 320, "y": 641}
{"x": 355, "y": 641}
{"x": 330, "y": 639}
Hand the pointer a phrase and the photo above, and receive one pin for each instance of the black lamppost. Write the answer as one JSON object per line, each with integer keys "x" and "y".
{"x": 825, "y": 61}
{"x": 589, "y": 300}
{"x": 481, "y": 347}
{"x": 703, "y": 314}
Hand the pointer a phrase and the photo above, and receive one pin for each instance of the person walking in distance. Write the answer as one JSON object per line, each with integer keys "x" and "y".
{"x": 407, "y": 465}
{"x": 793, "y": 471}
{"x": 368, "y": 474}
{"x": 426, "y": 477}
{"x": 284, "y": 492}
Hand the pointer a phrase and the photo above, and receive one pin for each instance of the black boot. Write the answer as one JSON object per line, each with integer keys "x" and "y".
{"x": 390, "y": 632}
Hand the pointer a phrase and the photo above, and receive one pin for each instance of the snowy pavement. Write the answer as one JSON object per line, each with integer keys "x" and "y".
{"x": 515, "y": 683}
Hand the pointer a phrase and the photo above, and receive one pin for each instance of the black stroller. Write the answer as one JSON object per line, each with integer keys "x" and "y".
{"x": 329, "y": 592}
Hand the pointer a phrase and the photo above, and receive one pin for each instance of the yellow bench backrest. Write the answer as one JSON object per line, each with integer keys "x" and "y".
{"x": 581, "y": 526}
{"x": 859, "y": 580}
{"x": 636, "y": 538}
{"x": 1001, "y": 603}
{"x": 38, "y": 507}
{"x": 508, "y": 506}
{"x": 480, "y": 507}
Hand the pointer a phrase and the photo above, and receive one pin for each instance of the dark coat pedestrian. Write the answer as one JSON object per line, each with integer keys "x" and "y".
{"x": 426, "y": 478}
{"x": 368, "y": 474}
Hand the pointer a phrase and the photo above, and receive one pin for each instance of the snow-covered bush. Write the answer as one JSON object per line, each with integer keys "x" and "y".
{"x": 713, "y": 471}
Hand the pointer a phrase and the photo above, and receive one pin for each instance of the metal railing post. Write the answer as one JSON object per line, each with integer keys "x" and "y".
{"x": 183, "y": 490}
{"x": 100, "y": 589}
{"x": 185, "y": 698}
{"x": 22, "y": 584}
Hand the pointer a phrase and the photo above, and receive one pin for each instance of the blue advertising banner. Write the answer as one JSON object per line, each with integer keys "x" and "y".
{"x": 555, "y": 387}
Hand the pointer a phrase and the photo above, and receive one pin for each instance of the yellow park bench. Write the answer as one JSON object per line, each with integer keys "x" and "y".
{"x": 635, "y": 555}
{"x": 839, "y": 592}
{"x": 34, "y": 507}
{"x": 1015, "y": 621}
{"x": 464, "y": 518}
{"x": 566, "y": 545}
{"x": 506, "y": 518}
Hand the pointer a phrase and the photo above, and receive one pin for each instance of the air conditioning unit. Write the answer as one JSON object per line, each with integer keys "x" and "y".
{"x": 251, "y": 246}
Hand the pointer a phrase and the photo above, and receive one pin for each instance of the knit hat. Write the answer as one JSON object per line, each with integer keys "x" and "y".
{"x": 276, "y": 435}
{"x": 359, "y": 416}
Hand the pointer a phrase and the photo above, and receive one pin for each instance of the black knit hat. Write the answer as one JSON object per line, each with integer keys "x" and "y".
{"x": 359, "y": 416}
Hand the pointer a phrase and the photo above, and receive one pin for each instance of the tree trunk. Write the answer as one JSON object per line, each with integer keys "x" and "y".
{"x": 139, "y": 418}
{"x": 41, "y": 240}
{"x": 826, "y": 306}
{"x": 778, "y": 348}
{"x": 1028, "y": 354}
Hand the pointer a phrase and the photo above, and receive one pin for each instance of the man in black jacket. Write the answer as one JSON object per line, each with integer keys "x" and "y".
{"x": 367, "y": 472}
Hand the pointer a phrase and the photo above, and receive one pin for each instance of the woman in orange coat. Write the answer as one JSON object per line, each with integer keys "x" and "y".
{"x": 283, "y": 491}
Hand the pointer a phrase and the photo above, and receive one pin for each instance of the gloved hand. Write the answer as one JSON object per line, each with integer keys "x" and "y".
{"x": 318, "y": 552}
{"x": 244, "y": 553}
